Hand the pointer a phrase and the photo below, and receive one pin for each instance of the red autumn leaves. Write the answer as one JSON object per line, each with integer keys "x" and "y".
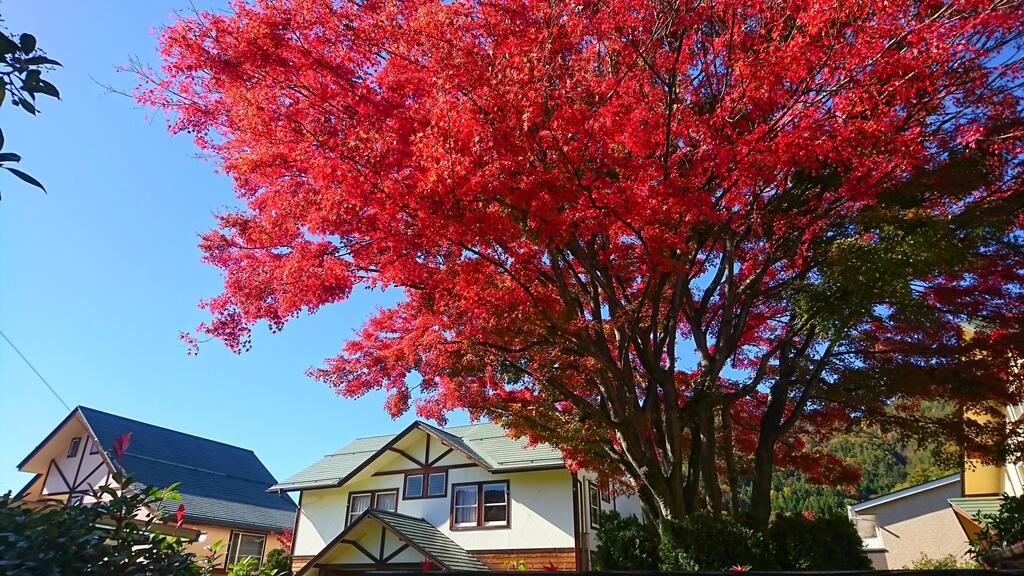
{"x": 615, "y": 222}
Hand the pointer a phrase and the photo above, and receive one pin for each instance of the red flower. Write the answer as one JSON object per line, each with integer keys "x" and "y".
{"x": 426, "y": 565}
{"x": 808, "y": 514}
{"x": 550, "y": 567}
{"x": 738, "y": 568}
{"x": 180, "y": 515}
{"x": 121, "y": 444}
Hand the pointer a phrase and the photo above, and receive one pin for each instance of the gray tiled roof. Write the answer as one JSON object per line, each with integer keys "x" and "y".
{"x": 218, "y": 483}
{"x": 485, "y": 442}
{"x": 421, "y": 534}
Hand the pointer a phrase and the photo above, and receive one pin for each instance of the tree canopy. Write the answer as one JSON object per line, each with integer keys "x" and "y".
{"x": 672, "y": 238}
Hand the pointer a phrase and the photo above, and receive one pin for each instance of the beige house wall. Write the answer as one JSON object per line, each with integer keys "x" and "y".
{"x": 918, "y": 524}
{"x": 211, "y": 533}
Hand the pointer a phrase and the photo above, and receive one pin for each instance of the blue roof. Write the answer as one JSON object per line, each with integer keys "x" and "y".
{"x": 219, "y": 483}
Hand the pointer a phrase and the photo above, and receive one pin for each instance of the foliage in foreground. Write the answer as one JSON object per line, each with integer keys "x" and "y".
{"x": 276, "y": 563}
{"x": 22, "y": 65}
{"x": 1001, "y": 529}
{"x": 103, "y": 539}
{"x": 947, "y": 562}
{"x": 704, "y": 542}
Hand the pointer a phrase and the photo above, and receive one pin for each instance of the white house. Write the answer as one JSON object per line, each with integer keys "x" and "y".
{"x": 455, "y": 499}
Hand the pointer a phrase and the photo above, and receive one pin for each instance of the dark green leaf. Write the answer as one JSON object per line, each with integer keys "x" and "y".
{"x": 25, "y": 177}
{"x": 7, "y": 46}
{"x": 32, "y": 76}
{"x": 1, "y": 139}
{"x": 40, "y": 61}
{"x": 28, "y": 106}
{"x": 44, "y": 87}
{"x": 9, "y": 157}
{"x": 28, "y": 43}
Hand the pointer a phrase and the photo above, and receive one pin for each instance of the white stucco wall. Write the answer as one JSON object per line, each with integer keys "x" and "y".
{"x": 62, "y": 474}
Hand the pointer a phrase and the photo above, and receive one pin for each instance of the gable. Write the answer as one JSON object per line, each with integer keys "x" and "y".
{"x": 484, "y": 445}
{"x": 67, "y": 463}
{"x": 218, "y": 483}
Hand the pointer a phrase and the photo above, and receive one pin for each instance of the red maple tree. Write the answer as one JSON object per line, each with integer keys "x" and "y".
{"x": 660, "y": 235}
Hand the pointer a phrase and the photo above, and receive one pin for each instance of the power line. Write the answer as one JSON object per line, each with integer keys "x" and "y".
{"x": 59, "y": 399}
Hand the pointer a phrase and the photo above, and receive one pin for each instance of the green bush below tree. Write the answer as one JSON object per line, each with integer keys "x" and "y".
{"x": 707, "y": 543}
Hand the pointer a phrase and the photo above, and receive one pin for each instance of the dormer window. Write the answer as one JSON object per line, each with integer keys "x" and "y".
{"x": 73, "y": 448}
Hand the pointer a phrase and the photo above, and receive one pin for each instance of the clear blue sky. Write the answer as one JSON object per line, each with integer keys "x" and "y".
{"x": 98, "y": 276}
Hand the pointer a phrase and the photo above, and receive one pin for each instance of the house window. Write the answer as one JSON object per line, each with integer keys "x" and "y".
{"x": 75, "y": 499}
{"x": 245, "y": 545}
{"x": 358, "y": 502}
{"x": 95, "y": 448}
{"x": 414, "y": 486}
{"x": 436, "y": 485}
{"x": 595, "y": 504}
{"x": 73, "y": 448}
{"x": 480, "y": 505}
{"x": 386, "y": 501}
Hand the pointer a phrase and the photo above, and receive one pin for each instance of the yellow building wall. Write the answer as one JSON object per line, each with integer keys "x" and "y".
{"x": 982, "y": 479}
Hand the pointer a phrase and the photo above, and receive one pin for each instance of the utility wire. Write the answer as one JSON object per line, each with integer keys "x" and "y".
{"x": 59, "y": 399}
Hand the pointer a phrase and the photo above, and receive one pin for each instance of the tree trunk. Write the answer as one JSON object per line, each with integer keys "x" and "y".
{"x": 709, "y": 460}
{"x": 761, "y": 493}
{"x": 732, "y": 475}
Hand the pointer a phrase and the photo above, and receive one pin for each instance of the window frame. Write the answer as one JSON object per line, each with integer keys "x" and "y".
{"x": 408, "y": 494}
{"x": 444, "y": 484}
{"x": 373, "y": 501}
{"x": 425, "y": 474}
{"x": 593, "y": 504}
{"x": 76, "y": 443}
{"x": 233, "y": 547}
{"x": 94, "y": 448}
{"x": 480, "y": 506}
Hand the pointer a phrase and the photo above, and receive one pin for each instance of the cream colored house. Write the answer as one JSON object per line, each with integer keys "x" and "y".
{"x": 900, "y": 527}
{"x": 223, "y": 487}
{"x": 455, "y": 499}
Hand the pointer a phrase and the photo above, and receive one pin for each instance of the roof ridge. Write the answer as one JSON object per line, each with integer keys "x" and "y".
{"x": 81, "y": 407}
{"x": 197, "y": 468}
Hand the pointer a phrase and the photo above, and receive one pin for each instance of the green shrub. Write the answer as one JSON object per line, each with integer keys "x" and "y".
{"x": 704, "y": 542}
{"x": 823, "y": 542}
{"x": 625, "y": 544}
{"x": 1000, "y": 530}
{"x": 101, "y": 539}
{"x": 277, "y": 564}
{"x": 947, "y": 562}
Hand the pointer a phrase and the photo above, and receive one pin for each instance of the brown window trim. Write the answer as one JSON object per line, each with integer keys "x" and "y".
{"x": 480, "y": 507}
{"x": 373, "y": 498}
{"x": 593, "y": 488}
{"x": 425, "y": 473}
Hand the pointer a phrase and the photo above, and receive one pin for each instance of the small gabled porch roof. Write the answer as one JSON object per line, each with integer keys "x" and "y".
{"x": 415, "y": 533}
